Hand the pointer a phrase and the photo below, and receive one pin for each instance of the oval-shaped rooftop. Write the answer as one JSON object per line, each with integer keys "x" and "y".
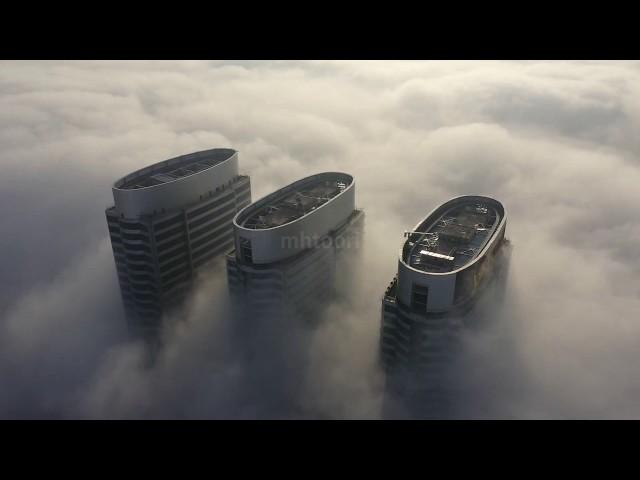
{"x": 294, "y": 201}
{"x": 174, "y": 169}
{"x": 453, "y": 235}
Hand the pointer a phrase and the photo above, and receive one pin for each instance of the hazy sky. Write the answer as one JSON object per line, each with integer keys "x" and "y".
{"x": 556, "y": 142}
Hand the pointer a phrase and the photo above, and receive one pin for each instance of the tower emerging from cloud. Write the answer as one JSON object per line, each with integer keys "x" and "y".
{"x": 446, "y": 262}
{"x": 168, "y": 221}
{"x": 286, "y": 245}
{"x": 286, "y": 268}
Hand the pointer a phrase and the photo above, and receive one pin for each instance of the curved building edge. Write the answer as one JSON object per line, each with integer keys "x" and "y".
{"x": 277, "y": 243}
{"x": 450, "y": 290}
{"x": 177, "y": 192}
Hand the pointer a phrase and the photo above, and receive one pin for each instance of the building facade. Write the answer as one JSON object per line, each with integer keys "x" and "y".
{"x": 287, "y": 246}
{"x": 444, "y": 265}
{"x": 167, "y": 222}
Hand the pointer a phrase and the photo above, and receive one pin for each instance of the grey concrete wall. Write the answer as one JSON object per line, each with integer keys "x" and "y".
{"x": 176, "y": 194}
{"x": 271, "y": 245}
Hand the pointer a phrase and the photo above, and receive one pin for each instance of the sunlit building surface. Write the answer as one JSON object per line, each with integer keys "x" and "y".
{"x": 287, "y": 244}
{"x": 168, "y": 221}
{"x": 445, "y": 264}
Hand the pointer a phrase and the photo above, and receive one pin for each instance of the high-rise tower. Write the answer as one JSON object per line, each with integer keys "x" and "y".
{"x": 444, "y": 265}
{"x": 284, "y": 261}
{"x": 290, "y": 257}
{"x": 168, "y": 221}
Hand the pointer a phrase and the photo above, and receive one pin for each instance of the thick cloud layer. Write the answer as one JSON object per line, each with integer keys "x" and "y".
{"x": 556, "y": 142}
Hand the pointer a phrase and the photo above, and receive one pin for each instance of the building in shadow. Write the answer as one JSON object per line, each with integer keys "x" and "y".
{"x": 445, "y": 264}
{"x": 288, "y": 261}
{"x": 167, "y": 222}
{"x": 288, "y": 246}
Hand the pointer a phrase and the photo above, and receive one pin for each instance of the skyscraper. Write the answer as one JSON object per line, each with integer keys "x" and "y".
{"x": 168, "y": 221}
{"x": 446, "y": 262}
{"x": 283, "y": 272}
{"x": 286, "y": 245}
